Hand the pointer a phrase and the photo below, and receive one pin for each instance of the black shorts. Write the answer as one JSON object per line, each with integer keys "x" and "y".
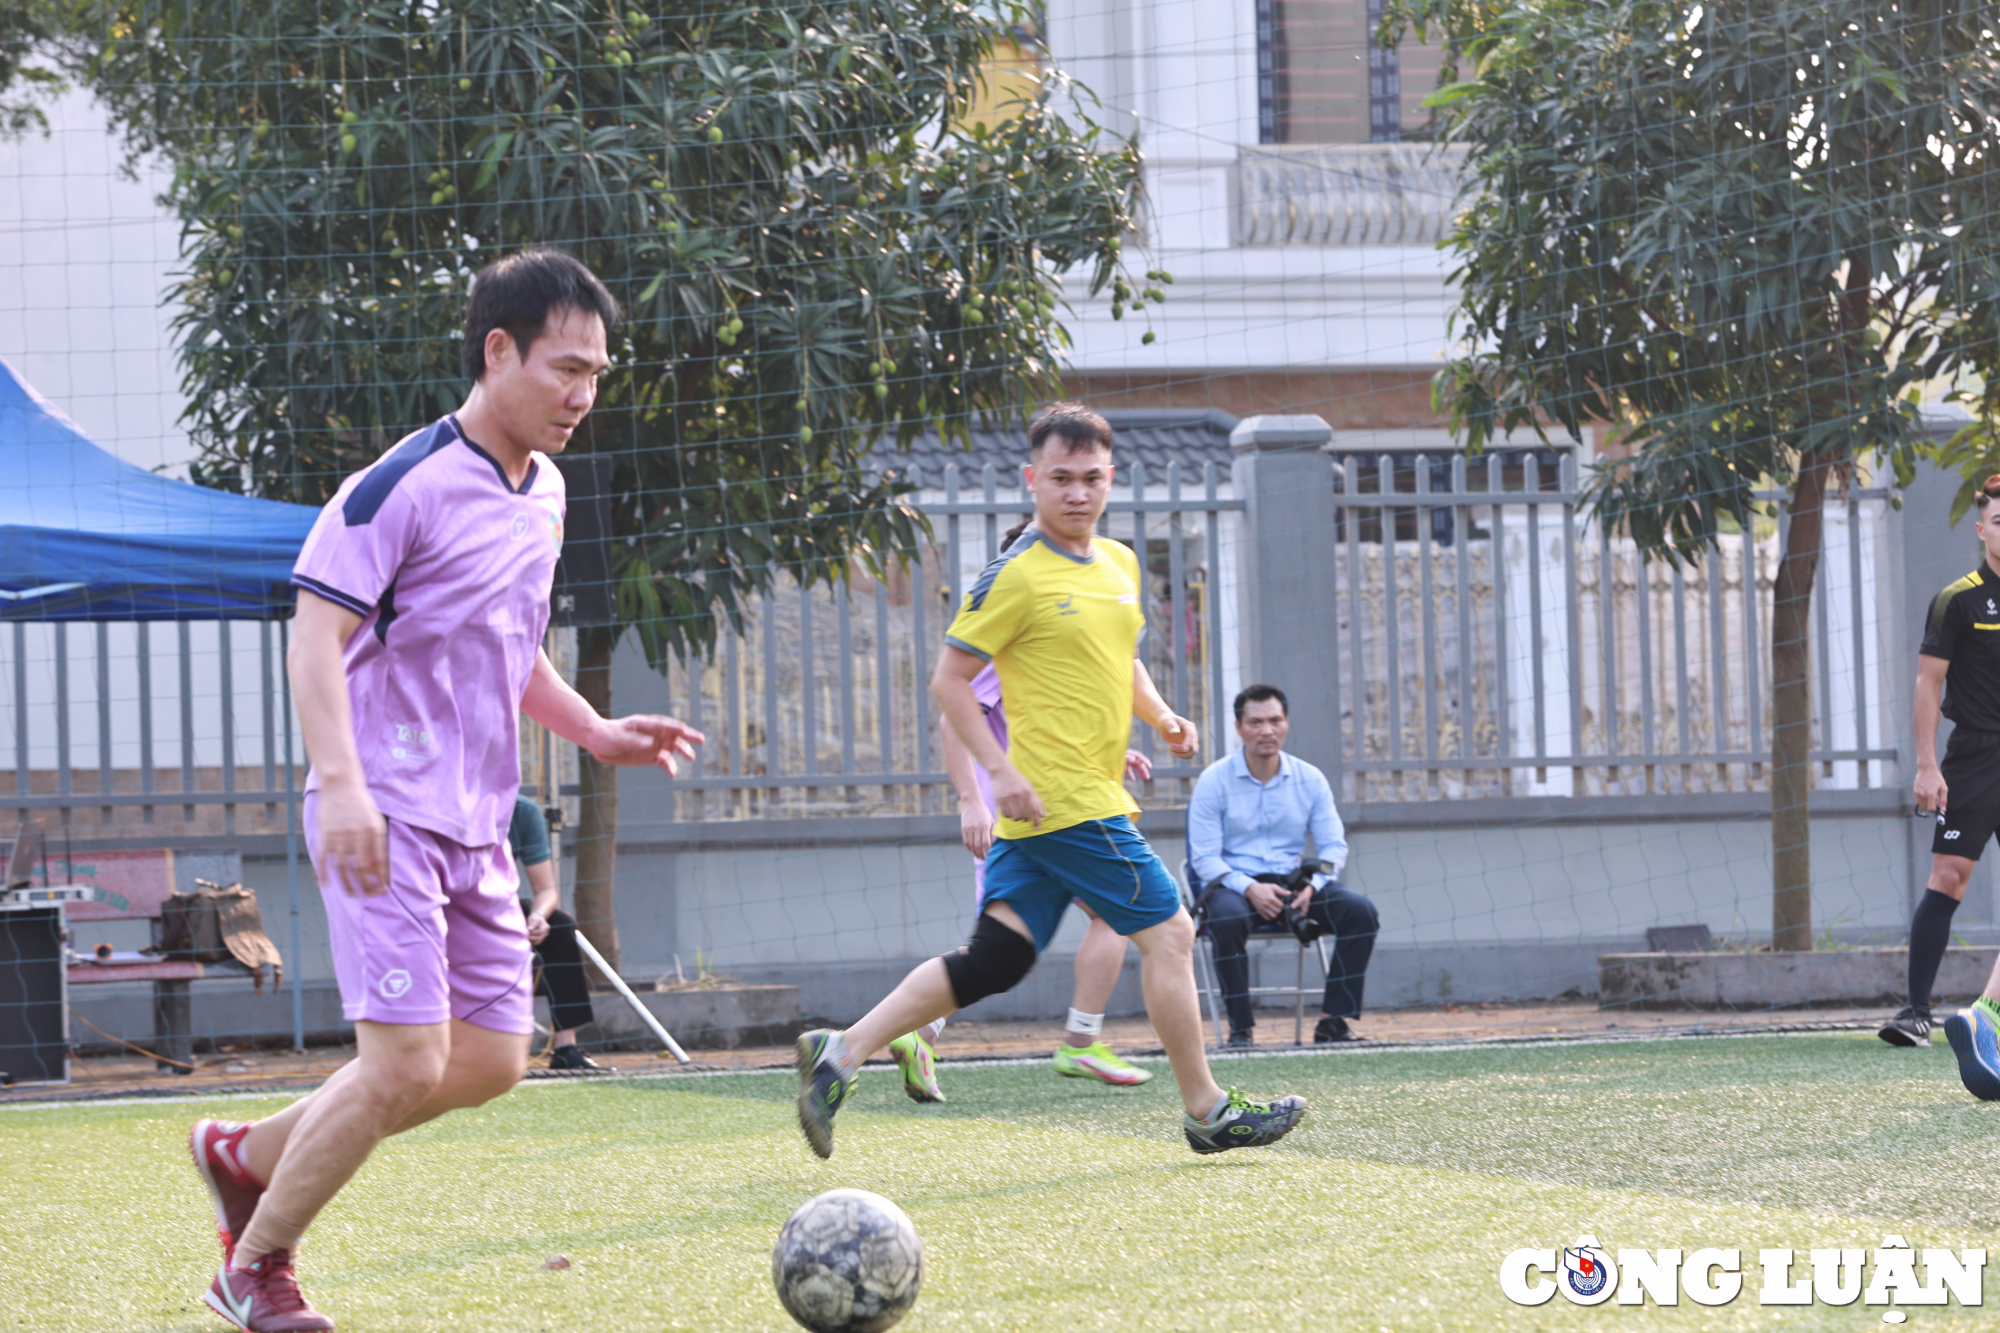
{"x": 1971, "y": 770}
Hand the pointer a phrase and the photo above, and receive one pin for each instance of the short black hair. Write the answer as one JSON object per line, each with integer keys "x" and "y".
{"x": 1074, "y": 424}
{"x": 1256, "y": 694}
{"x": 1989, "y": 491}
{"x": 519, "y": 292}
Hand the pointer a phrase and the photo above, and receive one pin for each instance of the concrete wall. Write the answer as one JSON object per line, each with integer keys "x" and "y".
{"x": 1501, "y": 899}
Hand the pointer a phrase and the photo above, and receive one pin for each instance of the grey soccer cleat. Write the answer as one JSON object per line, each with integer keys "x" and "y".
{"x": 1245, "y": 1124}
{"x": 822, "y": 1089}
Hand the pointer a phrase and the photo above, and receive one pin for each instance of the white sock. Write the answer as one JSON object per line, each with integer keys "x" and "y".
{"x": 936, "y": 1030}
{"x": 836, "y": 1051}
{"x": 1090, "y": 1025}
{"x": 1216, "y": 1115}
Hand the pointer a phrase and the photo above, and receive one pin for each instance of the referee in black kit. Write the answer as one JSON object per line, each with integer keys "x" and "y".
{"x": 1962, "y": 646}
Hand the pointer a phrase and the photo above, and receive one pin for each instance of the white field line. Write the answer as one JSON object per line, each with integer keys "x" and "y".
{"x": 1341, "y": 1050}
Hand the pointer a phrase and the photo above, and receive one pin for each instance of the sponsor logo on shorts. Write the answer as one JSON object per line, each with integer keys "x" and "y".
{"x": 1889, "y": 1275}
{"x": 1950, "y": 834}
{"x": 394, "y": 985}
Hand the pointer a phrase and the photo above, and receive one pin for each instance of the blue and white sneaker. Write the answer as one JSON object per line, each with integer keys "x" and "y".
{"x": 1974, "y": 1035}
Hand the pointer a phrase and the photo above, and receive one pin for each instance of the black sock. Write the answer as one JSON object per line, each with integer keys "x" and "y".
{"x": 1930, "y": 932}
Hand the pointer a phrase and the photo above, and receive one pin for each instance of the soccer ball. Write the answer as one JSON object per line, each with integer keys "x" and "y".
{"x": 848, "y": 1262}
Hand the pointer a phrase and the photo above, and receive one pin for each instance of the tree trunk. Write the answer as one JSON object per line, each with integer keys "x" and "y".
{"x": 1791, "y": 714}
{"x": 597, "y": 824}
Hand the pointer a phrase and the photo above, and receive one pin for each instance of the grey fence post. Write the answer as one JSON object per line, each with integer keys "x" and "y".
{"x": 1285, "y": 576}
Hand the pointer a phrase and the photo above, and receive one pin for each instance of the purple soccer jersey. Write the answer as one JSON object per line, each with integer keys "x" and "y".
{"x": 450, "y": 568}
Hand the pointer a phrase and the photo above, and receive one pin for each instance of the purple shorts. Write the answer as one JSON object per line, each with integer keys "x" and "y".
{"x": 446, "y": 941}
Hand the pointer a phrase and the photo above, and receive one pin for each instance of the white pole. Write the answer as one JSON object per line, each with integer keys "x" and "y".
{"x": 618, "y": 983}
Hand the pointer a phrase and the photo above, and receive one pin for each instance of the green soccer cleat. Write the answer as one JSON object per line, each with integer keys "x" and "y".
{"x": 1246, "y": 1124}
{"x": 822, "y": 1089}
{"x": 919, "y": 1065}
{"x": 1097, "y": 1061}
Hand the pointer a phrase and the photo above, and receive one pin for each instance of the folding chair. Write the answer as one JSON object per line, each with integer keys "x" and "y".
{"x": 1209, "y": 982}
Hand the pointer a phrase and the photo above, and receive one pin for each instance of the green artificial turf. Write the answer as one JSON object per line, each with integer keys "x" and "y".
{"x": 1049, "y": 1204}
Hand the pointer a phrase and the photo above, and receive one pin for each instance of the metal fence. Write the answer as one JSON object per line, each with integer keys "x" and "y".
{"x": 822, "y": 705}
{"x": 182, "y": 727}
{"x": 1493, "y": 641}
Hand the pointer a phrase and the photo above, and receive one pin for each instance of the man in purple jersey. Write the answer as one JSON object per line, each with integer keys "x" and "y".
{"x": 423, "y": 597}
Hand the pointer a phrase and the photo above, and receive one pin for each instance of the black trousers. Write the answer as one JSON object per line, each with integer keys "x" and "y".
{"x": 559, "y": 974}
{"x": 1349, "y": 917}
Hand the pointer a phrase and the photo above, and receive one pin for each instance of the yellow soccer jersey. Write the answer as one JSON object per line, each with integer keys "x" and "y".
{"x": 1063, "y": 633}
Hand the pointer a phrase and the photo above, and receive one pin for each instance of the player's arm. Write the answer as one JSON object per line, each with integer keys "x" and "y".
{"x": 951, "y": 686}
{"x": 975, "y": 821}
{"x": 1181, "y": 738}
{"x": 1930, "y": 787}
{"x": 639, "y": 741}
{"x": 541, "y": 878}
{"x": 353, "y": 840}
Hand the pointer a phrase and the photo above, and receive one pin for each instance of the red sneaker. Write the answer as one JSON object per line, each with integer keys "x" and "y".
{"x": 264, "y": 1297}
{"x": 217, "y": 1149}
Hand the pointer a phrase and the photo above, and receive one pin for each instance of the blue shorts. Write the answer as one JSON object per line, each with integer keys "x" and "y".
{"x": 1103, "y": 863}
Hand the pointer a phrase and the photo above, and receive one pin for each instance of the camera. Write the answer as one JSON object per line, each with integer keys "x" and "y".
{"x": 1303, "y": 927}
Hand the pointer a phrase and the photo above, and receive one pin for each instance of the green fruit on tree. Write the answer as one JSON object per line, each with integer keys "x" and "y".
{"x": 715, "y": 134}
{"x": 972, "y": 316}
{"x": 881, "y": 390}
{"x": 805, "y": 435}
{"x": 1148, "y": 338}
{"x": 875, "y": 369}
{"x": 465, "y": 85}
{"x": 348, "y": 143}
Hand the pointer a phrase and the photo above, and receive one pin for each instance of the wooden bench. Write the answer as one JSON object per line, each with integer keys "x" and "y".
{"x": 135, "y": 886}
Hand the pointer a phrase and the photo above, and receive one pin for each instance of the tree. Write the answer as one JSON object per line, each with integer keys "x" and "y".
{"x": 1742, "y": 237}
{"x": 33, "y": 41}
{"x": 812, "y": 253}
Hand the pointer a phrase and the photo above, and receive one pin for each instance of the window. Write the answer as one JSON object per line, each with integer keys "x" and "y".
{"x": 1321, "y": 78}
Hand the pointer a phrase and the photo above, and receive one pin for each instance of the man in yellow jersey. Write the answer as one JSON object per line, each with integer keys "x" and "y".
{"x": 1060, "y": 617}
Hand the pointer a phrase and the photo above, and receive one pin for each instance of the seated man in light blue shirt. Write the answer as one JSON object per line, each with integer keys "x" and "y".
{"x": 1247, "y": 826}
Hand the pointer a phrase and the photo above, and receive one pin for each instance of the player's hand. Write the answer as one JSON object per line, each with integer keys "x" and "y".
{"x": 1138, "y": 767}
{"x": 538, "y": 927}
{"x": 1931, "y": 789}
{"x": 353, "y": 840}
{"x": 643, "y": 740}
{"x": 1268, "y": 899}
{"x": 1017, "y": 799}
{"x": 1304, "y": 899}
{"x": 975, "y": 827}
{"x": 1183, "y": 741}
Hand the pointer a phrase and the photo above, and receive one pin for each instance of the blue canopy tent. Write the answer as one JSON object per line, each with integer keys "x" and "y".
{"x": 85, "y": 535}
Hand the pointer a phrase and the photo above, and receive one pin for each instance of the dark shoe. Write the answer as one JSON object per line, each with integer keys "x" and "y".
{"x": 1912, "y": 1027}
{"x": 1334, "y": 1029}
{"x": 572, "y": 1057}
{"x": 1239, "y": 1041}
{"x": 822, "y": 1089}
{"x": 1245, "y": 1124}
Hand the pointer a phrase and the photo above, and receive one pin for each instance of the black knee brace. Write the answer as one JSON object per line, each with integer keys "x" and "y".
{"x": 993, "y": 960}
